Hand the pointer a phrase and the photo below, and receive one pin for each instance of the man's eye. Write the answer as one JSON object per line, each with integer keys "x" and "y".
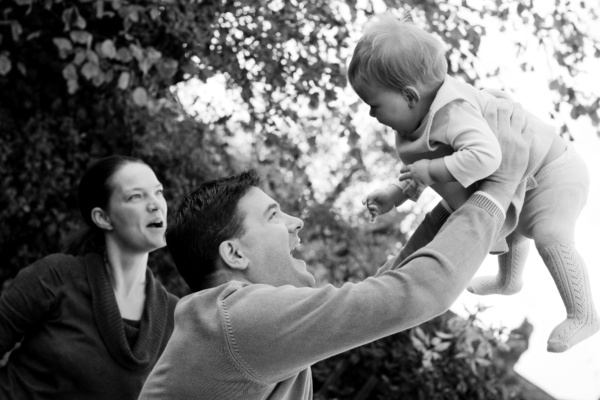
{"x": 134, "y": 197}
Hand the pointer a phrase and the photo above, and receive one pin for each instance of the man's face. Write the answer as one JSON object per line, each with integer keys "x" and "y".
{"x": 270, "y": 236}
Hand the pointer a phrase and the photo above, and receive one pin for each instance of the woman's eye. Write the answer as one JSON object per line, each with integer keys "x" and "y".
{"x": 134, "y": 197}
{"x": 160, "y": 192}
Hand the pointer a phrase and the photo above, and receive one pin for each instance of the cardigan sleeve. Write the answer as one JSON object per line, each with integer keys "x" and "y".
{"x": 276, "y": 332}
{"x": 423, "y": 235}
{"x": 27, "y": 301}
{"x": 477, "y": 153}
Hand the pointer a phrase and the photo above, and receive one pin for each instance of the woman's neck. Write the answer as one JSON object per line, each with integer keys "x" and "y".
{"x": 127, "y": 270}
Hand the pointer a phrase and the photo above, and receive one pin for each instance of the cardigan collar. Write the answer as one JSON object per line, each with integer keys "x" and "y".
{"x": 110, "y": 323}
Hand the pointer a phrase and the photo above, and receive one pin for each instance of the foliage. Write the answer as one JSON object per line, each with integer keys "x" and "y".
{"x": 446, "y": 358}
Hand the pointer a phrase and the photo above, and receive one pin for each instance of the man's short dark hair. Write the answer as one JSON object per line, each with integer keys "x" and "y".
{"x": 206, "y": 217}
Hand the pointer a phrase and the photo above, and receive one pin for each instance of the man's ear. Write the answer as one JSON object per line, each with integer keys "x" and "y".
{"x": 232, "y": 255}
{"x": 412, "y": 96}
{"x": 101, "y": 219}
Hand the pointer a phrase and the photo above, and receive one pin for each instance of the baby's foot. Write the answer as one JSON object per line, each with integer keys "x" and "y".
{"x": 572, "y": 331}
{"x": 484, "y": 285}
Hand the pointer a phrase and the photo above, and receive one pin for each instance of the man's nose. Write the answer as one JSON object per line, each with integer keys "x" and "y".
{"x": 294, "y": 224}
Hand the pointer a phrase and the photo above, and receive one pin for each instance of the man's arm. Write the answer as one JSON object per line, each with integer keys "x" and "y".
{"x": 277, "y": 332}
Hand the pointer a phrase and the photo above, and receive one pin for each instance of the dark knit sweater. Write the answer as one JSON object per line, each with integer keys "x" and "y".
{"x": 74, "y": 343}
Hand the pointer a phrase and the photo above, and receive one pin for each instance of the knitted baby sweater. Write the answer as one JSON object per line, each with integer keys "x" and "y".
{"x": 425, "y": 143}
{"x": 74, "y": 343}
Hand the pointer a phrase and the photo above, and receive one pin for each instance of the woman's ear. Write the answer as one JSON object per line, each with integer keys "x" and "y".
{"x": 101, "y": 219}
{"x": 232, "y": 255}
{"x": 412, "y": 96}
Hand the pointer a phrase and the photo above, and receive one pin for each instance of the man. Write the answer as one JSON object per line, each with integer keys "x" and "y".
{"x": 255, "y": 322}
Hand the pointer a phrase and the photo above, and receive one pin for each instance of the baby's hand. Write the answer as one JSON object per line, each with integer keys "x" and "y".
{"x": 378, "y": 202}
{"x": 418, "y": 172}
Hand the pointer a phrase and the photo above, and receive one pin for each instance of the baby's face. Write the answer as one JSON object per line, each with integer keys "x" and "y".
{"x": 392, "y": 108}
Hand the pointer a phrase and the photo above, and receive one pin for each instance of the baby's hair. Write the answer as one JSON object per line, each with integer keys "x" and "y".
{"x": 396, "y": 53}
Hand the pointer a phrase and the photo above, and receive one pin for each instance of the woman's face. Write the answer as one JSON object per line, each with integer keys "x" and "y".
{"x": 137, "y": 209}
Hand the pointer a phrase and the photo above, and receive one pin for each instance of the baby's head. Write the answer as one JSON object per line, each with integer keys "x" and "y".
{"x": 393, "y": 54}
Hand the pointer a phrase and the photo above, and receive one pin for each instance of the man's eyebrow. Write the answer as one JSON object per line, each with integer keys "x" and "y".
{"x": 132, "y": 189}
{"x": 271, "y": 207}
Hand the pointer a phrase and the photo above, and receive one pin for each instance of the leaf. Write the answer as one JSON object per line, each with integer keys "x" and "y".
{"x": 99, "y": 9}
{"x": 67, "y": 15}
{"x": 145, "y": 65}
{"x": 16, "y": 29}
{"x": 90, "y": 70}
{"x": 140, "y": 96}
{"x": 153, "y": 55}
{"x": 80, "y": 22}
{"x": 5, "y": 64}
{"x": 154, "y": 13}
{"x": 69, "y": 72}
{"x": 72, "y": 86}
{"x": 137, "y": 52}
{"x": 64, "y": 46}
{"x": 444, "y": 335}
{"x": 82, "y": 37}
{"x": 22, "y": 69}
{"x": 92, "y": 56}
{"x": 124, "y": 55}
{"x": 108, "y": 49}
{"x": 33, "y": 35}
{"x": 442, "y": 346}
{"x": 123, "y": 80}
{"x": 79, "y": 57}
{"x": 167, "y": 67}
{"x": 132, "y": 14}
{"x": 98, "y": 79}
{"x": 421, "y": 335}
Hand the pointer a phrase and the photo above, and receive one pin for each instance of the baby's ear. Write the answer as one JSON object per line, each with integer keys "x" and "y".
{"x": 412, "y": 96}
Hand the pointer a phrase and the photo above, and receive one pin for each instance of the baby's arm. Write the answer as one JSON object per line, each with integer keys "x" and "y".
{"x": 381, "y": 201}
{"x": 476, "y": 154}
{"x": 427, "y": 172}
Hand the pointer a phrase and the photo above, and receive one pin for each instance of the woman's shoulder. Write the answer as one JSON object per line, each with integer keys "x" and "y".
{"x": 57, "y": 265}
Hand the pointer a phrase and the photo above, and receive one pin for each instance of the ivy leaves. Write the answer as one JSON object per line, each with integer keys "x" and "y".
{"x": 88, "y": 55}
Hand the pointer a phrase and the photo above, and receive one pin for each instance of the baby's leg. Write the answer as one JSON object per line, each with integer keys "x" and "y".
{"x": 510, "y": 270}
{"x": 549, "y": 215}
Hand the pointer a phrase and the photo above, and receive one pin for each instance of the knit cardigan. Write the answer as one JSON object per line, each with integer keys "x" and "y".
{"x": 73, "y": 341}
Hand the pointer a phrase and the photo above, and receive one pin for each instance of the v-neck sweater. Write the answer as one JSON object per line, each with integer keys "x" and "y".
{"x": 74, "y": 344}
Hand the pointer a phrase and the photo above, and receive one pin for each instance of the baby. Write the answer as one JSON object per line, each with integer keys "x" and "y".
{"x": 444, "y": 142}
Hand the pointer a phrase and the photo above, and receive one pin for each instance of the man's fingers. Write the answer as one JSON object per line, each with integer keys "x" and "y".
{"x": 517, "y": 118}
{"x": 364, "y": 200}
{"x": 491, "y": 114}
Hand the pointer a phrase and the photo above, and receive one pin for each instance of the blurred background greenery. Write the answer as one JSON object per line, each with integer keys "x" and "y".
{"x": 206, "y": 88}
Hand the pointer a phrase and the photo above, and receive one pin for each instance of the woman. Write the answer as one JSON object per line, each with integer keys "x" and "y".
{"x": 93, "y": 323}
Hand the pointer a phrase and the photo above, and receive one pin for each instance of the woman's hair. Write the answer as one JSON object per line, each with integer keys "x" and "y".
{"x": 393, "y": 54}
{"x": 94, "y": 190}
